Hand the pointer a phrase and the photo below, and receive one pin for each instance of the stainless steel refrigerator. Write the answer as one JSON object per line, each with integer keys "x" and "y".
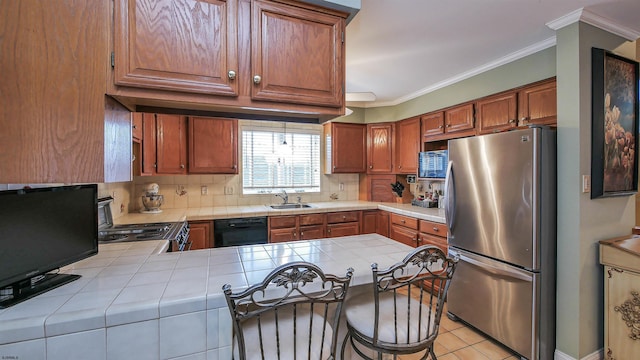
{"x": 501, "y": 211}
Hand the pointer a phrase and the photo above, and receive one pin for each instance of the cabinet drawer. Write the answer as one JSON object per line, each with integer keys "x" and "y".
{"x": 312, "y": 219}
{"x": 282, "y": 235}
{"x": 433, "y": 228}
{"x": 402, "y": 234}
{"x": 426, "y": 239}
{"x": 276, "y": 222}
{"x": 343, "y": 229}
{"x": 343, "y": 216}
{"x": 406, "y": 221}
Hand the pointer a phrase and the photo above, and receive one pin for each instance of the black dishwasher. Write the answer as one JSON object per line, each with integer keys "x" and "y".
{"x": 240, "y": 231}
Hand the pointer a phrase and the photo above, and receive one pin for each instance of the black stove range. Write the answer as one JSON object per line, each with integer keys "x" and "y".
{"x": 176, "y": 232}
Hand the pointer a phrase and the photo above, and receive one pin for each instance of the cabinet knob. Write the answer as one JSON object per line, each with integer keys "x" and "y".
{"x": 134, "y": 127}
{"x": 155, "y": 165}
{"x": 402, "y": 221}
{"x": 370, "y": 166}
{"x": 448, "y": 125}
{"x": 294, "y": 234}
{"x": 435, "y": 229}
{"x": 511, "y": 121}
{"x": 399, "y": 166}
{"x": 301, "y": 233}
{"x": 232, "y": 75}
{"x": 440, "y": 126}
{"x": 524, "y": 118}
{"x": 257, "y": 79}
{"x": 344, "y": 217}
{"x": 181, "y": 166}
{"x": 419, "y": 239}
{"x": 234, "y": 167}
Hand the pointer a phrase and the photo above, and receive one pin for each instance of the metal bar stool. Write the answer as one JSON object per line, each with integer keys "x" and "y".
{"x": 402, "y": 315}
{"x": 292, "y": 314}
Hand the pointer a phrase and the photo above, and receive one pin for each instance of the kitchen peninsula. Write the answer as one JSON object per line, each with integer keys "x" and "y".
{"x": 134, "y": 303}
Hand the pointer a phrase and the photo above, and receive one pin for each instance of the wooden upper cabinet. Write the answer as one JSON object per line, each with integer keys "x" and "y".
{"x": 345, "y": 146}
{"x": 136, "y": 126}
{"x": 179, "y": 45}
{"x": 171, "y": 144}
{"x": 380, "y": 148}
{"x": 538, "y": 104}
{"x": 459, "y": 119}
{"x": 456, "y": 121}
{"x": 407, "y": 146}
{"x": 432, "y": 124}
{"x": 149, "y": 160}
{"x": 297, "y": 55}
{"x": 213, "y": 145}
{"x": 497, "y": 113}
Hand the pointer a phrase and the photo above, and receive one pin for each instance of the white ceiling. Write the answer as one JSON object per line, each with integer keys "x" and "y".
{"x": 401, "y": 49}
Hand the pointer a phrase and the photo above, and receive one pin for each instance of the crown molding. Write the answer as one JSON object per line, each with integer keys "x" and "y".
{"x": 599, "y": 21}
{"x": 473, "y": 72}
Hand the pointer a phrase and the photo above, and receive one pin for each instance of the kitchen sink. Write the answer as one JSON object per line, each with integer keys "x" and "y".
{"x": 290, "y": 206}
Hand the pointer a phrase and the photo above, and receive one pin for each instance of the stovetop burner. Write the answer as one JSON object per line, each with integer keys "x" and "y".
{"x": 134, "y": 232}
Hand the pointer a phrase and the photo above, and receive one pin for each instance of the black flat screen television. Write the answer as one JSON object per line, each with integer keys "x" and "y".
{"x": 42, "y": 230}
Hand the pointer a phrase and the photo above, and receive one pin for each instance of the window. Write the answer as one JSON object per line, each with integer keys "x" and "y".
{"x": 274, "y": 160}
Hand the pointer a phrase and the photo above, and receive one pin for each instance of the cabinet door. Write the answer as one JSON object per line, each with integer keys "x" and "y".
{"x": 345, "y": 147}
{"x": 213, "y": 145}
{"x": 380, "y": 188}
{"x": 407, "y": 146}
{"x": 369, "y": 219}
{"x": 149, "y": 160}
{"x": 311, "y": 219}
{"x": 311, "y": 232}
{"x": 497, "y": 113}
{"x": 282, "y": 235}
{"x": 380, "y": 148}
{"x": 179, "y": 45}
{"x": 200, "y": 235}
{"x": 403, "y": 234}
{"x": 382, "y": 223}
{"x": 432, "y": 124}
{"x": 343, "y": 229}
{"x": 136, "y": 126}
{"x": 619, "y": 285}
{"x": 538, "y": 104}
{"x": 459, "y": 119}
{"x": 171, "y": 144}
{"x": 297, "y": 55}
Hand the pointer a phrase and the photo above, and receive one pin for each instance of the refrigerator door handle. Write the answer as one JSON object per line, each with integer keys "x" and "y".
{"x": 492, "y": 269}
{"x": 449, "y": 190}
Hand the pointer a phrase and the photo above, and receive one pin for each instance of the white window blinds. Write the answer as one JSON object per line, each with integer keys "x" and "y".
{"x": 273, "y": 161}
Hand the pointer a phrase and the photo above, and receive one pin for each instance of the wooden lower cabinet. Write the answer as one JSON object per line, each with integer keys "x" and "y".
{"x": 296, "y": 227}
{"x": 403, "y": 229}
{"x": 369, "y": 221}
{"x": 283, "y": 228}
{"x": 432, "y": 233}
{"x": 343, "y": 223}
{"x": 382, "y": 223}
{"x": 200, "y": 235}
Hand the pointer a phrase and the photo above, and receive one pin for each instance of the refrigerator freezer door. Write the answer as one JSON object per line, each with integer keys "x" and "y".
{"x": 493, "y": 196}
{"x": 496, "y": 298}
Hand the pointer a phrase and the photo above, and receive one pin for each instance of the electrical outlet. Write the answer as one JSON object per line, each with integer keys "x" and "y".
{"x": 203, "y": 190}
{"x": 341, "y": 186}
{"x": 228, "y": 190}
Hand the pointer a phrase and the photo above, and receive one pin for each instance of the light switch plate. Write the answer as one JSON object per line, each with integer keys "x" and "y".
{"x": 586, "y": 183}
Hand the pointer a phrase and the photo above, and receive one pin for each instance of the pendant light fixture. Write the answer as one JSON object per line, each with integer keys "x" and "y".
{"x": 284, "y": 140}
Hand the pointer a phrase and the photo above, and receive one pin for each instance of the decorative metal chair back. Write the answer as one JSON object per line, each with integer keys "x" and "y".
{"x": 407, "y": 304}
{"x": 292, "y": 314}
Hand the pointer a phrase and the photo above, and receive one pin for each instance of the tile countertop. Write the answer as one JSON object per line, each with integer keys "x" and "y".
{"x": 222, "y": 212}
{"x": 128, "y": 283}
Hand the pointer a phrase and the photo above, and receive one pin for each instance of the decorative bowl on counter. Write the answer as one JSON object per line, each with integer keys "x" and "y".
{"x": 152, "y": 203}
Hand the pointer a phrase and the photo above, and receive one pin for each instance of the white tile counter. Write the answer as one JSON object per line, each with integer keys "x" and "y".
{"x": 134, "y": 303}
{"x": 222, "y": 212}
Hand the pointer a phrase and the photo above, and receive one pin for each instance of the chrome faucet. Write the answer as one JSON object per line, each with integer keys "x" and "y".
{"x": 283, "y": 196}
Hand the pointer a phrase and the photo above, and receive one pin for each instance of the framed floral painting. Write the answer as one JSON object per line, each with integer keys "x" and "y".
{"x": 614, "y": 142}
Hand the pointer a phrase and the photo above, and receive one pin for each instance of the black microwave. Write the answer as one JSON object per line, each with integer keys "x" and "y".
{"x": 433, "y": 164}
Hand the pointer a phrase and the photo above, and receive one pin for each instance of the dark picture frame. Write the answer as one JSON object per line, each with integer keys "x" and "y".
{"x": 614, "y": 127}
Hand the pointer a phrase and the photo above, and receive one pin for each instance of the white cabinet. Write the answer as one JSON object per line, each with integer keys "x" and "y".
{"x": 621, "y": 260}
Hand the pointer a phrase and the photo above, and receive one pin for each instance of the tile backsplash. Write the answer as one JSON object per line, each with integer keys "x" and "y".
{"x": 189, "y": 191}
